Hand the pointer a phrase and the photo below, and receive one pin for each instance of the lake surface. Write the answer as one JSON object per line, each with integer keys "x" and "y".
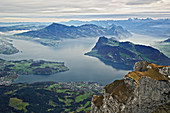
{"x": 71, "y": 52}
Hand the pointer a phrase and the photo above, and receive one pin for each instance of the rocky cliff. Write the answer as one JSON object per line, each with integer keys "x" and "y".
{"x": 144, "y": 90}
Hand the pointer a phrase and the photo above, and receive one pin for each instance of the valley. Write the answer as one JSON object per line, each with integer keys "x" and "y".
{"x": 48, "y": 97}
{"x": 47, "y": 70}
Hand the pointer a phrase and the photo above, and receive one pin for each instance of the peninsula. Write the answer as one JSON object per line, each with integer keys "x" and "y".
{"x": 127, "y": 53}
{"x": 10, "y": 70}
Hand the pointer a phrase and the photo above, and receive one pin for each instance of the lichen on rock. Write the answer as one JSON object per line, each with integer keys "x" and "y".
{"x": 144, "y": 90}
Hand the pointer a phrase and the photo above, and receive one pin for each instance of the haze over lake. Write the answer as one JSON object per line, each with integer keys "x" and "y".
{"x": 71, "y": 52}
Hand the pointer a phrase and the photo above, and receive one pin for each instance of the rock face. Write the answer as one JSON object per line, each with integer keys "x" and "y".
{"x": 141, "y": 66}
{"x": 136, "y": 94}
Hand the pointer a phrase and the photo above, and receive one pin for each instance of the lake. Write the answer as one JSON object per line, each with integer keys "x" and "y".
{"x": 71, "y": 52}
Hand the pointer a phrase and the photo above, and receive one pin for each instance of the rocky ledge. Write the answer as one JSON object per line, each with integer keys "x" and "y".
{"x": 144, "y": 90}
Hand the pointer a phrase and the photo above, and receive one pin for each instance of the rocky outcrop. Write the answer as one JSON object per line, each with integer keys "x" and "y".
{"x": 165, "y": 71}
{"x": 144, "y": 90}
{"x": 141, "y": 66}
{"x": 147, "y": 96}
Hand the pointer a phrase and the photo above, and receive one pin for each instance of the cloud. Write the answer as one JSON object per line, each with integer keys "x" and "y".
{"x": 141, "y": 2}
{"x": 77, "y": 8}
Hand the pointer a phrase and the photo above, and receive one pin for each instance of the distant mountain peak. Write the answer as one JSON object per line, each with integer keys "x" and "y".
{"x": 56, "y": 25}
{"x": 58, "y": 31}
{"x": 167, "y": 40}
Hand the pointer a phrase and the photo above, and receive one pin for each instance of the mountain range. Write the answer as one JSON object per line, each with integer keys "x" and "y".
{"x": 167, "y": 40}
{"x": 148, "y": 26}
{"x": 59, "y": 31}
{"x": 163, "y": 46}
{"x": 20, "y": 27}
{"x": 127, "y": 53}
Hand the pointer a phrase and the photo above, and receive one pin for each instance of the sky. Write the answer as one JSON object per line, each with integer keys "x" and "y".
{"x": 65, "y": 10}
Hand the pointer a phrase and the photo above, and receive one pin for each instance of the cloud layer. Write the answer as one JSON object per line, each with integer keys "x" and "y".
{"x": 83, "y": 9}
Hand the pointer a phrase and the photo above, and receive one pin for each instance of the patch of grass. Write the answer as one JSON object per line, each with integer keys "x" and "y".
{"x": 69, "y": 100}
{"x": 112, "y": 43}
{"x": 152, "y": 73}
{"x": 50, "y": 65}
{"x": 20, "y": 66}
{"x": 82, "y": 97}
{"x": 61, "y": 100}
{"x": 33, "y": 67}
{"x": 10, "y": 92}
{"x": 61, "y": 90}
{"x": 147, "y": 59}
{"x": 110, "y": 54}
{"x": 52, "y": 103}
{"x": 50, "y": 109}
{"x": 67, "y": 110}
{"x": 93, "y": 53}
{"x": 87, "y": 103}
{"x": 124, "y": 55}
{"x": 53, "y": 86}
{"x": 70, "y": 92}
{"x": 18, "y": 104}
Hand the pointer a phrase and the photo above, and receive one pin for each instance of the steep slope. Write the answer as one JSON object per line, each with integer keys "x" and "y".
{"x": 126, "y": 52}
{"x": 168, "y": 40}
{"x": 7, "y": 48}
{"x": 58, "y": 31}
{"x": 144, "y": 90}
{"x": 163, "y": 46}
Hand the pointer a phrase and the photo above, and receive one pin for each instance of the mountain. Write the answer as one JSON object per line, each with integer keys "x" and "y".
{"x": 7, "y": 48}
{"x": 148, "y": 26}
{"x": 59, "y": 31}
{"x": 127, "y": 53}
{"x": 20, "y": 27}
{"x": 163, "y": 46}
{"x": 107, "y": 23}
{"x": 144, "y": 90}
{"x": 168, "y": 40}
